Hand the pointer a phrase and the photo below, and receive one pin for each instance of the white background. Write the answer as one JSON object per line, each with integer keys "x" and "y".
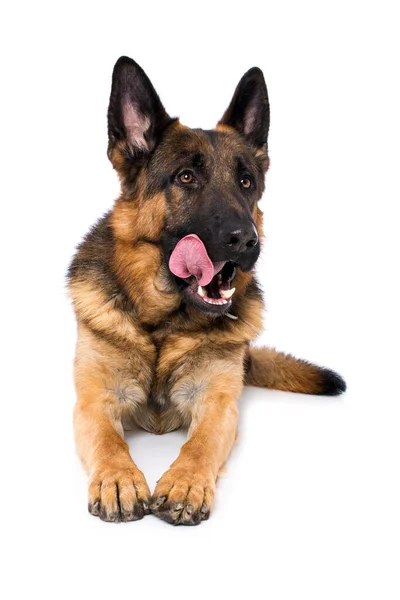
{"x": 309, "y": 507}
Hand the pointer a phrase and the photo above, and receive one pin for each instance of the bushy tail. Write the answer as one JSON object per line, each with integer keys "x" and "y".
{"x": 271, "y": 369}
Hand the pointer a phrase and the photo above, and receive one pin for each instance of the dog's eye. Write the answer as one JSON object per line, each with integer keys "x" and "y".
{"x": 186, "y": 177}
{"x": 245, "y": 182}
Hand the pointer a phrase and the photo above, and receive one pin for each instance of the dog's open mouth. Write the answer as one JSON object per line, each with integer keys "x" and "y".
{"x": 218, "y": 293}
{"x": 208, "y": 284}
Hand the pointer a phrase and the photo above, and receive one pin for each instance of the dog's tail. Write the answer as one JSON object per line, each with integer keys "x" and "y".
{"x": 265, "y": 367}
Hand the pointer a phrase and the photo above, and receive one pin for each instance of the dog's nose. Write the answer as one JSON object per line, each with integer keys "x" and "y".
{"x": 241, "y": 238}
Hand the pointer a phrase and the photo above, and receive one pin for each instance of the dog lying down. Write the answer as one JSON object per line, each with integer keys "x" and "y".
{"x": 167, "y": 303}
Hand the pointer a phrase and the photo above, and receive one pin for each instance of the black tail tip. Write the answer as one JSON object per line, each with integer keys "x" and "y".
{"x": 332, "y": 384}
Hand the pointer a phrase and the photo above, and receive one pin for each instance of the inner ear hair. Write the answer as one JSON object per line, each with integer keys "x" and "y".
{"x": 135, "y": 125}
{"x": 250, "y": 119}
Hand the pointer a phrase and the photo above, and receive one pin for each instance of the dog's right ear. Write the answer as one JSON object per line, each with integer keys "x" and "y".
{"x": 136, "y": 117}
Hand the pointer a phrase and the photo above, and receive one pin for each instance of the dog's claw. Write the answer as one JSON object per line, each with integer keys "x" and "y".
{"x": 158, "y": 502}
{"x": 94, "y": 508}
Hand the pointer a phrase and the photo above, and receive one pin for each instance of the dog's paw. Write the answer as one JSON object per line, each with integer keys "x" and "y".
{"x": 118, "y": 494}
{"x": 183, "y": 496}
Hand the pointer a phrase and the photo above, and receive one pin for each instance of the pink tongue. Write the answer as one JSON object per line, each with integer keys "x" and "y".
{"x": 190, "y": 257}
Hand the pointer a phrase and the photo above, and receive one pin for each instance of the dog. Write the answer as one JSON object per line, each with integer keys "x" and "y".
{"x": 167, "y": 303}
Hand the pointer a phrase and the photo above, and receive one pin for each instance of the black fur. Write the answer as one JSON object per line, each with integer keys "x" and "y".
{"x": 130, "y": 84}
{"x": 332, "y": 384}
{"x": 248, "y": 111}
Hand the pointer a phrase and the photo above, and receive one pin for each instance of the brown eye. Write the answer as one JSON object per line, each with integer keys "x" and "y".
{"x": 186, "y": 177}
{"x": 245, "y": 182}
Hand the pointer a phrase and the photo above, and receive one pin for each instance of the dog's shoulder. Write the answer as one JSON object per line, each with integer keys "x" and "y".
{"x": 91, "y": 273}
{"x": 94, "y": 254}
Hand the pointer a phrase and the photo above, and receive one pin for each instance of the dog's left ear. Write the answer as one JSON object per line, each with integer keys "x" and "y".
{"x": 248, "y": 111}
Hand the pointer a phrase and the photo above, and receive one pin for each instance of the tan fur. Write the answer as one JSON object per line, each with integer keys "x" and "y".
{"x": 136, "y": 220}
{"x": 271, "y": 369}
{"x": 190, "y": 481}
{"x": 196, "y": 373}
{"x": 142, "y": 272}
{"x": 143, "y": 359}
{"x": 115, "y": 482}
{"x": 200, "y": 372}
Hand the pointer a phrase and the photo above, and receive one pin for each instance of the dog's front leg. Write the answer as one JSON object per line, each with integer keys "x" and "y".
{"x": 185, "y": 493}
{"x": 117, "y": 488}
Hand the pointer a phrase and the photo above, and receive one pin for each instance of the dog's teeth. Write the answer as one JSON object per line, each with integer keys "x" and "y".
{"x": 227, "y": 293}
{"x": 201, "y": 292}
{"x": 215, "y": 300}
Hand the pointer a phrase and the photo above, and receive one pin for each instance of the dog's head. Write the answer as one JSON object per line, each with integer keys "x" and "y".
{"x": 192, "y": 191}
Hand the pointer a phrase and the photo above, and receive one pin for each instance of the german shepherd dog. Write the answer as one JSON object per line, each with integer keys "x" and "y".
{"x": 167, "y": 303}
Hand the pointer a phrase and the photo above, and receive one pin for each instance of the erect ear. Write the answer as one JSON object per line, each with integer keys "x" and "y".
{"x": 136, "y": 116}
{"x": 248, "y": 111}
